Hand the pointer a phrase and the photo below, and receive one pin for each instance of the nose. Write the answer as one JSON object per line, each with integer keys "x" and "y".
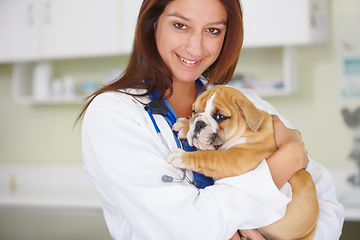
{"x": 194, "y": 45}
{"x": 199, "y": 126}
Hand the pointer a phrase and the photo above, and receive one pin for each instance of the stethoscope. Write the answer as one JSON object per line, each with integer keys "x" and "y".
{"x": 160, "y": 107}
{"x": 163, "y": 108}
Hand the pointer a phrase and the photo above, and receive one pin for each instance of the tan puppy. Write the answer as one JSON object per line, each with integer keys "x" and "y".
{"x": 226, "y": 121}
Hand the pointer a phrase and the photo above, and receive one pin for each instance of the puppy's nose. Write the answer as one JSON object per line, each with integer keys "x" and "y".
{"x": 199, "y": 126}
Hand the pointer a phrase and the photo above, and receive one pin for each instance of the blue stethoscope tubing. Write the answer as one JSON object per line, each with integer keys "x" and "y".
{"x": 164, "y": 108}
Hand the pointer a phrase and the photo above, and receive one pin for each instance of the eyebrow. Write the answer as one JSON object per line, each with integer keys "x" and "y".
{"x": 178, "y": 15}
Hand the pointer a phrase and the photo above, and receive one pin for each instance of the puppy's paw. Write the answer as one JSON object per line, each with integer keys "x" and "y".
{"x": 182, "y": 127}
{"x": 175, "y": 158}
{"x": 180, "y": 124}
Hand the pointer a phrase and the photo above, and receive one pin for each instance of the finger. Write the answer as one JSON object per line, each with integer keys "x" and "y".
{"x": 277, "y": 123}
{"x": 275, "y": 118}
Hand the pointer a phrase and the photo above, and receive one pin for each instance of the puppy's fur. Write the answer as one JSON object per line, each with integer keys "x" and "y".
{"x": 226, "y": 121}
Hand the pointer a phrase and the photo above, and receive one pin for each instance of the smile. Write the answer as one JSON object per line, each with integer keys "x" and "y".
{"x": 188, "y": 61}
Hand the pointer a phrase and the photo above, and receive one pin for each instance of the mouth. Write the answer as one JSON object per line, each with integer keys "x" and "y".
{"x": 210, "y": 143}
{"x": 187, "y": 61}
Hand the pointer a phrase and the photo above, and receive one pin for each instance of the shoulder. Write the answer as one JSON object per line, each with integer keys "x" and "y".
{"x": 258, "y": 101}
{"x": 111, "y": 106}
{"x": 113, "y": 99}
{"x": 117, "y": 98}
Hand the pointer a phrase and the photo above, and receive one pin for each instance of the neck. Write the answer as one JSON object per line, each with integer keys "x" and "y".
{"x": 183, "y": 97}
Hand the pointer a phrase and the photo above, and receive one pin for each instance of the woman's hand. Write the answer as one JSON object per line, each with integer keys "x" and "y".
{"x": 292, "y": 137}
{"x": 250, "y": 234}
{"x": 235, "y": 237}
{"x": 291, "y": 155}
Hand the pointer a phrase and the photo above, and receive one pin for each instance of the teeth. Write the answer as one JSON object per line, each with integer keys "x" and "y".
{"x": 188, "y": 61}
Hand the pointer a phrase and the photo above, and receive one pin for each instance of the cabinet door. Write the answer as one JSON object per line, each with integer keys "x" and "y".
{"x": 129, "y": 11}
{"x": 284, "y": 22}
{"x": 77, "y": 28}
{"x": 19, "y": 30}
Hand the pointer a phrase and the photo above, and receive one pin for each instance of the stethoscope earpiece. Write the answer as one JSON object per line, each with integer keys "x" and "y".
{"x": 170, "y": 179}
{"x": 167, "y": 178}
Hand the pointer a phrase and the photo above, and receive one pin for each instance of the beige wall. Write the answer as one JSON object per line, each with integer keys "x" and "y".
{"x": 34, "y": 134}
{"x": 44, "y": 135}
{"x": 316, "y": 108}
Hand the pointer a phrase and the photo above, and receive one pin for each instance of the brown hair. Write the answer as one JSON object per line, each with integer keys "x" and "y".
{"x": 145, "y": 61}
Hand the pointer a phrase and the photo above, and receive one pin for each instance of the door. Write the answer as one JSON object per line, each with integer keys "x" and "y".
{"x": 19, "y": 30}
{"x": 79, "y": 28}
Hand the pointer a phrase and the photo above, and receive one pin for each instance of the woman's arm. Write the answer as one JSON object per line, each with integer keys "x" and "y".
{"x": 331, "y": 215}
{"x": 291, "y": 155}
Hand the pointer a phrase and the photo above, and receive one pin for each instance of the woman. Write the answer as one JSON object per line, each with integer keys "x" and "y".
{"x": 175, "y": 43}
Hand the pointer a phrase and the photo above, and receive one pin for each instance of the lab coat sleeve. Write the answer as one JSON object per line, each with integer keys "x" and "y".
{"x": 331, "y": 217}
{"x": 123, "y": 161}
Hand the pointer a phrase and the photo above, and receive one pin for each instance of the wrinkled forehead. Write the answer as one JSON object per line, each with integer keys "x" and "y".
{"x": 202, "y": 101}
{"x": 211, "y": 100}
{"x": 209, "y": 105}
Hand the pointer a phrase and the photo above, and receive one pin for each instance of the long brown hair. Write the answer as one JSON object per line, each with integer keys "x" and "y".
{"x": 146, "y": 63}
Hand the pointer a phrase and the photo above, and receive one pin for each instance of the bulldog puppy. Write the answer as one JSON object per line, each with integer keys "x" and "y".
{"x": 234, "y": 137}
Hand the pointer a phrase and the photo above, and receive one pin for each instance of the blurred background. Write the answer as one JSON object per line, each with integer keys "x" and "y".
{"x": 303, "y": 56}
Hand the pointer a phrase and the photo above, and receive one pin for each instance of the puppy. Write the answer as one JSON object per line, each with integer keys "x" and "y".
{"x": 226, "y": 121}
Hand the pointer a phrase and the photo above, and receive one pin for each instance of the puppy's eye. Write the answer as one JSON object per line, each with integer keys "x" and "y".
{"x": 193, "y": 111}
{"x": 220, "y": 118}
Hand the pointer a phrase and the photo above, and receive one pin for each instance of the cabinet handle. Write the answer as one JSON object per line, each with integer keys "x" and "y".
{"x": 47, "y": 12}
{"x": 30, "y": 14}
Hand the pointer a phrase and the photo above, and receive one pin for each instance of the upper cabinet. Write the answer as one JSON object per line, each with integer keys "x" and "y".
{"x": 33, "y": 30}
{"x": 19, "y": 33}
{"x": 284, "y": 22}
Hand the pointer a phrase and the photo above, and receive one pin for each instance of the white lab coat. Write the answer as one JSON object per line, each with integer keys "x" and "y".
{"x": 125, "y": 159}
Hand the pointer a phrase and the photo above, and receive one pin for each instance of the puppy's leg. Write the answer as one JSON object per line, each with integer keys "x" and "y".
{"x": 182, "y": 126}
{"x": 301, "y": 214}
{"x": 218, "y": 164}
{"x": 175, "y": 158}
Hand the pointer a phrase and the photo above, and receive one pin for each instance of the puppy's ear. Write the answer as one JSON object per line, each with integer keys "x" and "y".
{"x": 252, "y": 115}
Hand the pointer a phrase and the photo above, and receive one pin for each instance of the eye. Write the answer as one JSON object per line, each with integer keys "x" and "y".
{"x": 193, "y": 111}
{"x": 219, "y": 118}
{"x": 180, "y": 26}
{"x": 213, "y": 31}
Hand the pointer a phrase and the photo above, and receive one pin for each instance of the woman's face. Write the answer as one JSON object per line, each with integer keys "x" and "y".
{"x": 189, "y": 36}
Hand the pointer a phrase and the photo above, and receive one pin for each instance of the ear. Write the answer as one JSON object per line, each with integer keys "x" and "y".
{"x": 252, "y": 115}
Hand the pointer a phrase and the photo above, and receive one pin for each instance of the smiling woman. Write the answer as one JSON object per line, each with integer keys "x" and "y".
{"x": 177, "y": 43}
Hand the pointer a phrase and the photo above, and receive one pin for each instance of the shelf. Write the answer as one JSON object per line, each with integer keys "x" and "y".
{"x": 32, "y": 82}
{"x": 75, "y": 101}
{"x": 25, "y": 92}
{"x": 283, "y": 85}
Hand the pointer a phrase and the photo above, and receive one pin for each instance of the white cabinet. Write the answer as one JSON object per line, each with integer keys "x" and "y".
{"x": 284, "y": 22}
{"x": 19, "y": 37}
{"x": 34, "y": 30}
{"x": 71, "y": 28}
